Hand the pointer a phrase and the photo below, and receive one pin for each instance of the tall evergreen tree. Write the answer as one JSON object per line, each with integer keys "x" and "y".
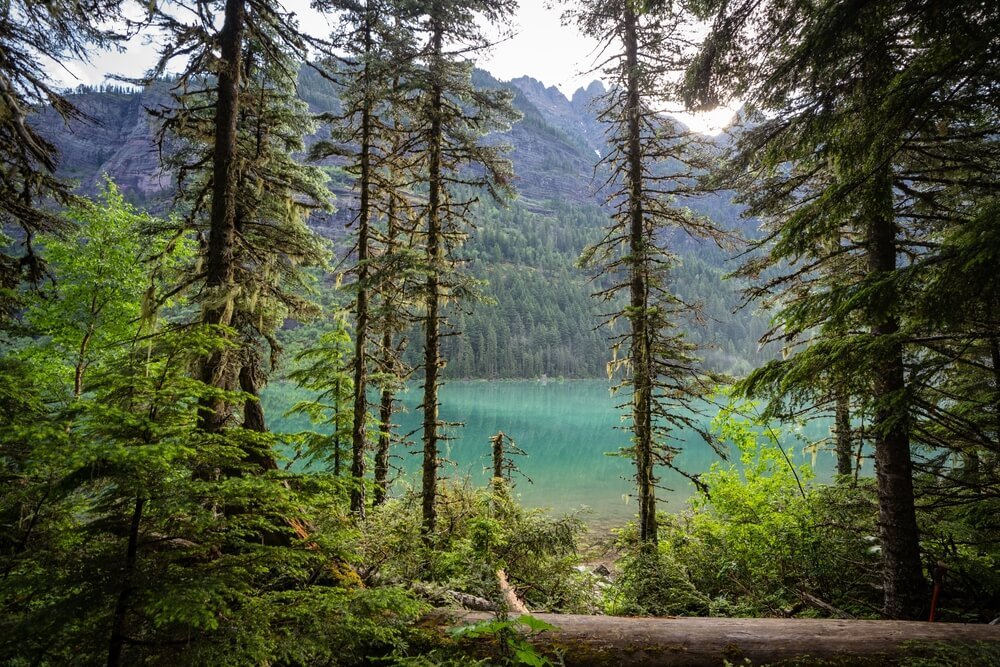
{"x": 651, "y": 161}
{"x": 394, "y": 278}
{"x": 239, "y": 123}
{"x": 451, "y": 118}
{"x": 847, "y": 105}
{"x": 377, "y": 50}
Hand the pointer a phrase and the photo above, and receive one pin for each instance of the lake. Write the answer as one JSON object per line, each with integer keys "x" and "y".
{"x": 567, "y": 428}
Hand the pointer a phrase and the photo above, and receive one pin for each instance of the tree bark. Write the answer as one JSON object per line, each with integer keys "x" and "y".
{"x": 497, "y": 445}
{"x": 641, "y": 361}
{"x": 384, "y": 441}
{"x": 389, "y": 363}
{"x": 81, "y": 356}
{"x": 358, "y": 439}
{"x": 253, "y": 413}
{"x": 995, "y": 360}
{"x": 902, "y": 576}
{"x": 253, "y": 418}
{"x": 222, "y": 231}
{"x": 842, "y": 429}
{"x": 432, "y": 340}
{"x": 613, "y": 640}
{"x": 127, "y": 586}
{"x": 336, "y": 429}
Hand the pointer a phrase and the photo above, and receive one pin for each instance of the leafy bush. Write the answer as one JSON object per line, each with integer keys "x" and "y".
{"x": 651, "y": 583}
{"x": 479, "y": 532}
{"x": 763, "y": 539}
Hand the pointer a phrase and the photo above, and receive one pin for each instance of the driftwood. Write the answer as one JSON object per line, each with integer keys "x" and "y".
{"x": 610, "y": 640}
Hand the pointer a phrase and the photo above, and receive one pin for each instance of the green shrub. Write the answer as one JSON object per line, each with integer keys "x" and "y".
{"x": 763, "y": 537}
{"x": 651, "y": 583}
{"x": 479, "y": 532}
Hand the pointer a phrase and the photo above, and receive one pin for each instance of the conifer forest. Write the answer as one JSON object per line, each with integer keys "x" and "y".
{"x": 324, "y": 343}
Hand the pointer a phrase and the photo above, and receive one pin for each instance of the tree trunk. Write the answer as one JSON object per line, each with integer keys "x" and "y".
{"x": 613, "y": 640}
{"x": 432, "y": 340}
{"x": 336, "y": 429}
{"x": 902, "y": 574}
{"x": 127, "y": 585}
{"x": 222, "y": 232}
{"x": 641, "y": 361}
{"x": 358, "y": 443}
{"x": 384, "y": 441}
{"x": 389, "y": 363}
{"x": 995, "y": 360}
{"x": 253, "y": 418}
{"x": 842, "y": 428}
{"x": 253, "y": 413}
{"x": 81, "y": 360}
{"x": 497, "y": 445}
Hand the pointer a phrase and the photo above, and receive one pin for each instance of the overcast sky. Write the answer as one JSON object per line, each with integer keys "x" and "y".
{"x": 541, "y": 47}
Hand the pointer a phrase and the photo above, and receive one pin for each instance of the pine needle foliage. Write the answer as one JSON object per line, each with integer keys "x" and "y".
{"x": 32, "y": 33}
{"x": 455, "y": 166}
{"x": 651, "y": 162}
{"x": 251, "y": 274}
{"x": 861, "y": 122}
{"x": 377, "y": 52}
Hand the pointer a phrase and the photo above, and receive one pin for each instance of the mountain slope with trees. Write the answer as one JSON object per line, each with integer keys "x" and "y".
{"x": 538, "y": 315}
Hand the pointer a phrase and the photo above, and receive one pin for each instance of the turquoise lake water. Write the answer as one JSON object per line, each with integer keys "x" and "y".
{"x": 567, "y": 428}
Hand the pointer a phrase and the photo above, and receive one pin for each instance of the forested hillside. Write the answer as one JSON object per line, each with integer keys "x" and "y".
{"x": 537, "y": 316}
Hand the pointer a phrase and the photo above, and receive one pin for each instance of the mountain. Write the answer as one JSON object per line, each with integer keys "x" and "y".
{"x": 544, "y": 319}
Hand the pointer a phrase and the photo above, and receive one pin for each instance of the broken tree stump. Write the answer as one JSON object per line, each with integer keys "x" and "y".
{"x": 613, "y": 640}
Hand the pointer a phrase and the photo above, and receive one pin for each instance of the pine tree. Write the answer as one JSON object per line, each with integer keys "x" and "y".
{"x": 846, "y": 107}
{"x": 651, "y": 161}
{"x": 455, "y": 164}
{"x": 394, "y": 275}
{"x": 322, "y": 369}
{"x": 238, "y": 133}
{"x": 377, "y": 51}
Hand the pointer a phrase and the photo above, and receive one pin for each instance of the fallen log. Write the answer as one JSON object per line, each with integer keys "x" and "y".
{"x": 611, "y": 640}
{"x": 450, "y": 598}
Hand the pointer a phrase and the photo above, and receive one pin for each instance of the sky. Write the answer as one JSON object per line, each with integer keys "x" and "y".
{"x": 541, "y": 48}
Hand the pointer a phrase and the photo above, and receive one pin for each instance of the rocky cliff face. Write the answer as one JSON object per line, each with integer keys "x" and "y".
{"x": 554, "y": 146}
{"x": 576, "y": 116}
{"x": 116, "y": 137}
